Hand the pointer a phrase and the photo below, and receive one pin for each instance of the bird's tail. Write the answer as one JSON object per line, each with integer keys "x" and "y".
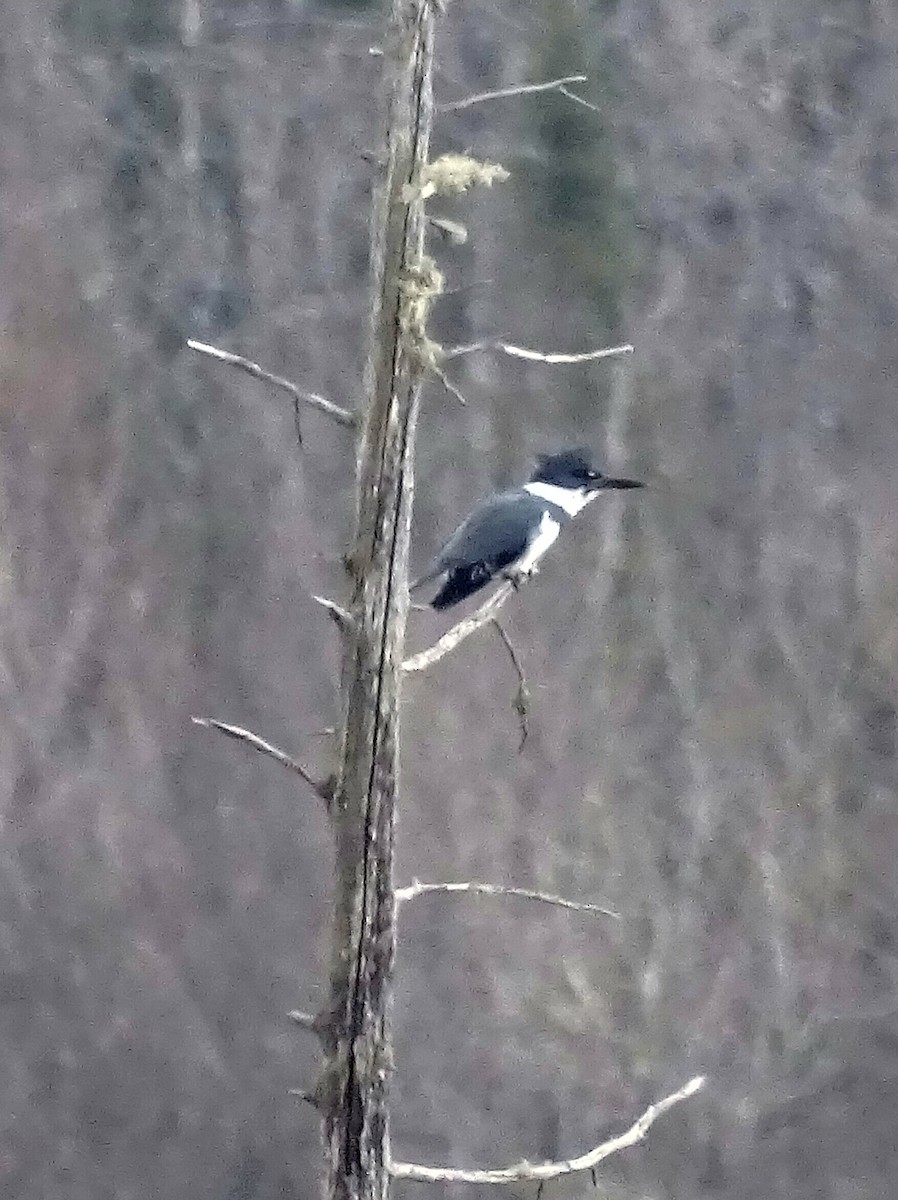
{"x": 461, "y": 583}
{"x": 428, "y": 577}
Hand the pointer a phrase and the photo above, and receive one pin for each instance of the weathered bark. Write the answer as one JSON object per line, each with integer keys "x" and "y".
{"x": 352, "y": 1091}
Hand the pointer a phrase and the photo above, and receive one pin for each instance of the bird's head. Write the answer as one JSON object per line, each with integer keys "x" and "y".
{"x": 573, "y": 469}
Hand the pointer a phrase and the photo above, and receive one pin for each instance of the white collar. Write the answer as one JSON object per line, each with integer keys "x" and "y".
{"x": 570, "y": 501}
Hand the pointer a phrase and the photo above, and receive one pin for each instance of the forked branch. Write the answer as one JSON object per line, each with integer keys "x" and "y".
{"x": 523, "y": 89}
{"x": 452, "y": 637}
{"x": 540, "y": 1172}
{"x": 341, "y": 415}
{"x": 323, "y": 787}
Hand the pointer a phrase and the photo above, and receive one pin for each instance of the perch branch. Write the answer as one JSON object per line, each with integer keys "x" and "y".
{"x": 257, "y": 743}
{"x": 451, "y": 638}
{"x": 341, "y": 415}
{"x": 521, "y": 702}
{"x": 551, "y": 1170}
{"x": 502, "y": 93}
{"x": 416, "y": 888}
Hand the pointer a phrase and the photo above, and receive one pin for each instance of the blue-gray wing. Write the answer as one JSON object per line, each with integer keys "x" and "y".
{"x": 496, "y": 534}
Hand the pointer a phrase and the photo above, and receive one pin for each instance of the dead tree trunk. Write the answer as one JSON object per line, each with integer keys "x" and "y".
{"x": 355, "y": 1026}
{"x": 358, "y": 1063}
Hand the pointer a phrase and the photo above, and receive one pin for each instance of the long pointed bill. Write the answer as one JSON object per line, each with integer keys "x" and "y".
{"x": 618, "y": 483}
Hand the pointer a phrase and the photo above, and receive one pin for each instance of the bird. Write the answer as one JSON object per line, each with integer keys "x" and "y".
{"x": 508, "y": 533}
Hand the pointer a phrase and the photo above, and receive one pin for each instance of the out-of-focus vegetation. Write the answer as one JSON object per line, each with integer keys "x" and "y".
{"x": 712, "y": 663}
{"x": 572, "y": 178}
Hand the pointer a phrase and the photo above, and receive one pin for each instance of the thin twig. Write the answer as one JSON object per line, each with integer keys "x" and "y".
{"x": 449, "y": 385}
{"x": 551, "y": 1170}
{"x": 339, "y": 615}
{"x": 579, "y": 100}
{"x": 469, "y": 348}
{"x": 341, "y": 415}
{"x": 539, "y": 356}
{"x": 321, "y": 1024}
{"x": 257, "y": 743}
{"x": 297, "y": 421}
{"x": 303, "y": 1019}
{"x": 453, "y": 230}
{"x": 416, "y": 888}
{"x": 451, "y": 638}
{"x": 503, "y": 93}
{"x": 521, "y": 702}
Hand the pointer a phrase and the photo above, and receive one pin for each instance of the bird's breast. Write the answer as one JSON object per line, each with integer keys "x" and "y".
{"x": 546, "y": 533}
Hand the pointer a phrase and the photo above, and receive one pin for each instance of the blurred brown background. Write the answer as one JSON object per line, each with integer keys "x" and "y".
{"x": 712, "y": 661}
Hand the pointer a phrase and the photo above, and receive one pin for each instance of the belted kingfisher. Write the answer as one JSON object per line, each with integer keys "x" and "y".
{"x": 509, "y": 533}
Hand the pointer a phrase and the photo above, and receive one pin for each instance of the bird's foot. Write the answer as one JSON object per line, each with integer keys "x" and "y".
{"x": 515, "y": 576}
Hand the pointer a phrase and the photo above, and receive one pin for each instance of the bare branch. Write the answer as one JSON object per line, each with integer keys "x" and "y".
{"x": 341, "y": 415}
{"x": 538, "y": 356}
{"x": 551, "y": 1170}
{"x": 502, "y": 93}
{"x": 521, "y": 702}
{"x": 321, "y": 1024}
{"x": 340, "y": 617}
{"x": 416, "y": 888}
{"x": 535, "y": 355}
{"x": 579, "y": 100}
{"x": 451, "y": 638}
{"x": 453, "y": 230}
{"x": 469, "y": 348}
{"x": 303, "y": 1019}
{"x": 321, "y": 786}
